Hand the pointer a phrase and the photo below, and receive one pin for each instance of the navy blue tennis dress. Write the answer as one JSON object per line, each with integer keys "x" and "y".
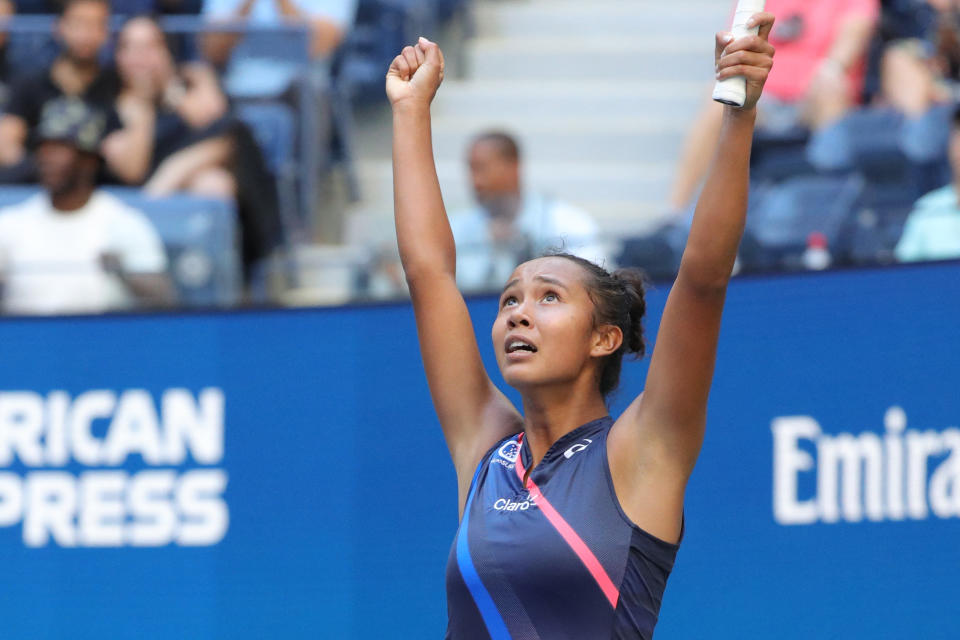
{"x": 558, "y": 558}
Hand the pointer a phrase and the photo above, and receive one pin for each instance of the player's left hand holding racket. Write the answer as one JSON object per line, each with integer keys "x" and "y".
{"x": 750, "y": 57}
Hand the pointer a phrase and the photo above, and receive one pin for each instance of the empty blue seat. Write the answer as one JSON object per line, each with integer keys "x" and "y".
{"x": 783, "y": 218}
{"x": 381, "y": 29}
{"x": 274, "y": 125}
{"x": 877, "y": 221}
{"x": 200, "y": 235}
{"x": 883, "y": 144}
{"x": 778, "y": 155}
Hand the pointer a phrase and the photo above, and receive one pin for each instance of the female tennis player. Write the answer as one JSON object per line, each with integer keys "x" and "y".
{"x": 570, "y": 520}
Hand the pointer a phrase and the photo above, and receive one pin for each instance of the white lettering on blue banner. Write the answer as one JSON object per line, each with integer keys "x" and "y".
{"x": 173, "y": 501}
{"x": 902, "y": 474}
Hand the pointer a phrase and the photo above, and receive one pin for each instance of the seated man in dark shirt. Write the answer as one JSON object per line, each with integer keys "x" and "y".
{"x": 83, "y": 29}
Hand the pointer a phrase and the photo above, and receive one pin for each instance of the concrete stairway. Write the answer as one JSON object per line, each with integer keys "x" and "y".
{"x": 599, "y": 92}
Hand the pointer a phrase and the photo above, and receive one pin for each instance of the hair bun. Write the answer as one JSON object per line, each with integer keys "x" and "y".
{"x": 634, "y": 283}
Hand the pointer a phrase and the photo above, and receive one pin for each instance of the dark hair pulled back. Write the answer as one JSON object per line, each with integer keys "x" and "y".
{"x": 618, "y": 300}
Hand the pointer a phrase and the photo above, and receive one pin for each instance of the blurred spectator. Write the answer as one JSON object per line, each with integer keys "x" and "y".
{"x": 175, "y": 131}
{"x": 510, "y": 224}
{"x": 74, "y": 249}
{"x": 920, "y": 77}
{"x": 179, "y": 135}
{"x": 932, "y": 231}
{"x": 6, "y": 11}
{"x": 82, "y": 29}
{"x": 253, "y": 72}
{"x": 817, "y": 77}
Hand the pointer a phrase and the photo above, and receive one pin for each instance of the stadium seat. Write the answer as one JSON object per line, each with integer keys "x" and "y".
{"x": 381, "y": 29}
{"x": 275, "y": 128}
{"x": 655, "y": 253}
{"x": 782, "y": 219}
{"x": 31, "y": 46}
{"x": 876, "y": 223}
{"x": 777, "y": 156}
{"x": 871, "y": 140}
{"x": 274, "y": 125}
{"x": 199, "y": 235}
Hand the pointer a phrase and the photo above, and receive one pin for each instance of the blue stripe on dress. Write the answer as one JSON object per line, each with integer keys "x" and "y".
{"x": 496, "y": 627}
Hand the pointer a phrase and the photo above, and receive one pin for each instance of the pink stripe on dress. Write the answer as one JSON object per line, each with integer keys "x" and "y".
{"x": 569, "y": 535}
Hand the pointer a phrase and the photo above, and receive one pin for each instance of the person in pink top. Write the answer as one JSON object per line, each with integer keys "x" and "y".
{"x": 821, "y": 46}
{"x": 821, "y": 62}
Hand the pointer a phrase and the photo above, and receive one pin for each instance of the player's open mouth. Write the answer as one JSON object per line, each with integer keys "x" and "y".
{"x": 515, "y": 344}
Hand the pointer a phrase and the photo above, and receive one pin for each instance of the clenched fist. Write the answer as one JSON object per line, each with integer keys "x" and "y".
{"x": 415, "y": 75}
{"x": 751, "y": 57}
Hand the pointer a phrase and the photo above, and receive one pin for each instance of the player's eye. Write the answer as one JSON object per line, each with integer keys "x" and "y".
{"x": 509, "y": 301}
{"x": 551, "y": 297}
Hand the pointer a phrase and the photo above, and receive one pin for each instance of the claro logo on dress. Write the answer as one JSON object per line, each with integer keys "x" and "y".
{"x": 504, "y": 504}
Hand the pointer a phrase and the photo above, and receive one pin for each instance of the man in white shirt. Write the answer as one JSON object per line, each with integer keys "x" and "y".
{"x": 73, "y": 248}
{"x": 510, "y": 225}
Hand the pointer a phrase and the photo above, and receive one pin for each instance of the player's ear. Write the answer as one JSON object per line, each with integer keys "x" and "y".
{"x": 607, "y": 338}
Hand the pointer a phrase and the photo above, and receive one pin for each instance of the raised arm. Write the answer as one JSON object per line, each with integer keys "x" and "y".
{"x": 474, "y": 415}
{"x": 662, "y": 431}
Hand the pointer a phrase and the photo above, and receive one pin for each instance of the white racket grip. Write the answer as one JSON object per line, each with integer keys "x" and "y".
{"x": 733, "y": 91}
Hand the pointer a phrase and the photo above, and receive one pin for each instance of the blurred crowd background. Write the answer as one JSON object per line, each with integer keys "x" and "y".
{"x": 163, "y": 153}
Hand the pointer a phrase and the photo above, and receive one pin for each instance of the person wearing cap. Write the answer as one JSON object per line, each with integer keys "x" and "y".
{"x": 74, "y": 248}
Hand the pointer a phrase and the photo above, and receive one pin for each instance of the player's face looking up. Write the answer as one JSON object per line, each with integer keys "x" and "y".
{"x": 495, "y": 174}
{"x": 545, "y": 332}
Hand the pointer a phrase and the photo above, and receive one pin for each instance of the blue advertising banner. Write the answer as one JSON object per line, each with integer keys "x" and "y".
{"x": 281, "y": 474}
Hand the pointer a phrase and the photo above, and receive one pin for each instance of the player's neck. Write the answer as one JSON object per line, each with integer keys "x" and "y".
{"x": 551, "y": 413}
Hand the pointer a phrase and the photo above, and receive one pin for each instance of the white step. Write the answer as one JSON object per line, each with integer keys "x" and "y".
{"x": 374, "y": 228}
{"x": 578, "y": 140}
{"x": 677, "y": 100}
{"x": 578, "y": 183}
{"x": 656, "y": 58}
{"x": 611, "y": 18}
